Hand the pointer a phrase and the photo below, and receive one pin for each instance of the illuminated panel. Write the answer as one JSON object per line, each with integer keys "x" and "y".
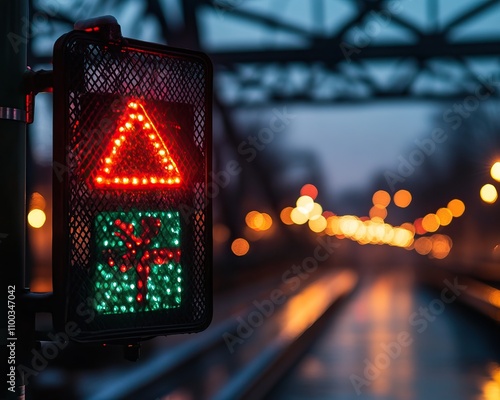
{"x": 138, "y": 261}
{"x": 136, "y": 157}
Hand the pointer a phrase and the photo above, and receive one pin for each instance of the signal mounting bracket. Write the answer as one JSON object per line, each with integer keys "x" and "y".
{"x": 105, "y": 26}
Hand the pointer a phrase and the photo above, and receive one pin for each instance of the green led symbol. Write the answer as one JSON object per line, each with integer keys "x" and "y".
{"x": 138, "y": 261}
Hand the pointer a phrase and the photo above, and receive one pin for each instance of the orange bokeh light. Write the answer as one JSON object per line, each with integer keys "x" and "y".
{"x": 423, "y": 245}
{"x": 240, "y": 247}
{"x": 445, "y": 216}
{"x": 431, "y": 222}
{"x": 441, "y": 246}
{"x": 221, "y": 233}
{"x": 402, "y": 198}
{"x": 285, "y": 216}
{"x": 318, "y": 224}
{"x": 378, "y": 211}
{"x": 381, "y": 198}
{"x": 457, "y": 207}
{"x": 258, "y": 221}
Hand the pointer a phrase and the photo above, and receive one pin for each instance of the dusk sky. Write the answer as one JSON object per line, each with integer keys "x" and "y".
{"x": 353, "y": 142}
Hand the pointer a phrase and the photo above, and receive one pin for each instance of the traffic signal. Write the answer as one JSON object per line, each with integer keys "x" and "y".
{"x": 132, "y": 244}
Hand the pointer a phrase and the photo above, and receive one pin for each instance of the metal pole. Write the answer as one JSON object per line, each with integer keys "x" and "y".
{"x": 15, "y": 32}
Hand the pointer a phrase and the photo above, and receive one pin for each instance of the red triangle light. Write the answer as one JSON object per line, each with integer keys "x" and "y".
{"x": 136, "y": 157}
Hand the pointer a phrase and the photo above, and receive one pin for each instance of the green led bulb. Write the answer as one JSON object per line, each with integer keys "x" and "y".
{"x": 138, "y": 261}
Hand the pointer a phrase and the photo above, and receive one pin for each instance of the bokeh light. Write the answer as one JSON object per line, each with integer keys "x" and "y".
{"x": 305, "y": 203}
{"x": 240, "y": 247}
{"x": 441, "y": 246}
{"x": 298, "y": 216}
{"x": 309, "y": 190}
{"x": 430, "y": 222}
{"x": 381, "y": 198}
{"x": 495, "y": 171}
{"x": 423, "y": 245}
{"x": 258, "y": 221}
{"x": 488, "y": 193}
{"x": 373, "y": 229}
{"x": 408, "y": 227}
{"x": 316, "y": 211}
{"x": 318, "y": 224}
{"x": 253, "y": 219}
{"x": 221, "y": 233}
{"x": 445, "y": 216}
{"x": 333, "y": 226}
{"x": 36, "y": 218}
{"x": 402, "y": 237}
{"x": 402, "y": 198}
{"x": 349, "y": 224}
{"x": 491, "y": 386}
{"x": 369, "y": 231}
{"x": 378, "y": 211}
{"x": 268, "y": 222}
{"x": 285, "y": 216}
{"x": 457, "y": 207}
{"x": 419, "y": 229}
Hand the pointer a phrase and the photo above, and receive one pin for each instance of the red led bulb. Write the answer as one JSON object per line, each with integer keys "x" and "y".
{"x": 136, "y": 157}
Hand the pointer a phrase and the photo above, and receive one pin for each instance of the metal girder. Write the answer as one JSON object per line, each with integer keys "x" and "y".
{"x": 319, "y": 82}
{"x": 336, "y": 68}
{"x": 432, "y": 46}
{"x": 329, "y": 65}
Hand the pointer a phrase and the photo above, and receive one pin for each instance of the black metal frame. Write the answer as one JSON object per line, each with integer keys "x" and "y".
{"x": 63, "y": 279}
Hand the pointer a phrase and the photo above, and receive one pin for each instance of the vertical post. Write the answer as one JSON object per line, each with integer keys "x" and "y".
{"x": 14, "y": 28}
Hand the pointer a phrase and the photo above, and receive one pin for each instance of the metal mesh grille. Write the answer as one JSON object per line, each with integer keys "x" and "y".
{"x": 113, "y": 272}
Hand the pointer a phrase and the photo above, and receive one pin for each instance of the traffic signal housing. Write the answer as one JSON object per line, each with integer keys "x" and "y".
{"x": 132, "y": 245}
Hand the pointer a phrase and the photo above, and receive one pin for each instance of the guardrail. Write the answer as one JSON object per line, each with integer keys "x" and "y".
{"x": 258, "y": 360}
{"x": 482, "y": 296}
